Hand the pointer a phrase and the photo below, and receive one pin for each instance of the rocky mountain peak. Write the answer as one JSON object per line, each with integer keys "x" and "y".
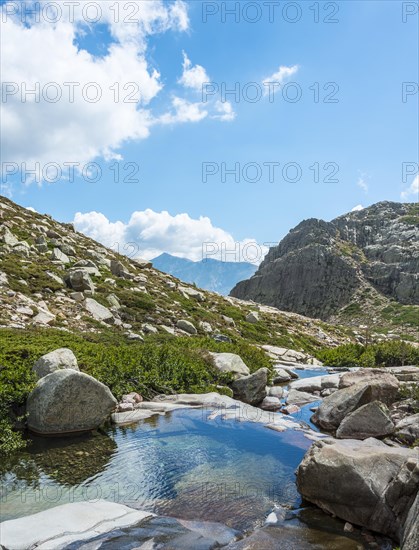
{"x": 320, "y": 268}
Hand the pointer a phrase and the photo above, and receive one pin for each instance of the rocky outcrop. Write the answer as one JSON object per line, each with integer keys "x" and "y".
{"x": 365, "y": 483}
{"x": 251, "y": 389}
{"x": 319, "y": 266}
{"x": 62, "y": 358}
{"x": 68, "y": 401}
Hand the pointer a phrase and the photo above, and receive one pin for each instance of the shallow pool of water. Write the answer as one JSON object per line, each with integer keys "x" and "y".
{"x": 179, "y": 464}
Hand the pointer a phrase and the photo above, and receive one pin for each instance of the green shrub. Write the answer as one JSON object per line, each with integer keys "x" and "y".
{"x": 383, "y": 354}
{"x": 161, "y": 365}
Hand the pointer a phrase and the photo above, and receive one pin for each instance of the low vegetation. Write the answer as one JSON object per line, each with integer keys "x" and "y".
{"x": 161, "y": 365}
{"x": 384, "y": 354}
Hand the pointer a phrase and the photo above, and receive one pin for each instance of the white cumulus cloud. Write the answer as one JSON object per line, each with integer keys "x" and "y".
{"x": 412, "y": 191}
{"x": 193, "y": 76}
{"x": 357, "y": 208}
{"x": 148, "y": 234}
{"x": 279, "y": 76}
{"x": 62, "y": 122}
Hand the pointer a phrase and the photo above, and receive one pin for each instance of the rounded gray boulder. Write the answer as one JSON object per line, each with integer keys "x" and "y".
{"x": 62, "y": 358}
{"x": 68, "y": 401}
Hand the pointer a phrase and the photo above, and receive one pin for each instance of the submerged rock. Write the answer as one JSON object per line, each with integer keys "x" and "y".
{"x": 68, "y": 401}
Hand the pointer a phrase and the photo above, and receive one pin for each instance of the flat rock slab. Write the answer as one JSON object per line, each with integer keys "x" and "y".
{"x": 58, "y": 527}
{"x": 129, "y": 417}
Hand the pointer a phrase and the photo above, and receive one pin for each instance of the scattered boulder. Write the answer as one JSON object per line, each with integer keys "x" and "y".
{"x": 43, "y": 317}
{"x": 113, "y": 301}
{"x": 77, "y": 296}
{"x": 251, "y": 389}
{"x": 118, "y": 269}
{"x": 230, "y": 362}
{"x": 192, "y": 293}
{"x": 252, "y": 317}
{"x": 364, "y": 482}
{"x": 271, "y": 403}
{"x": 99, "y": 312}
{"x": 370, "y": 420}
{"x": 62, "y": 358}
{"x": 68, "y": 401}
{"x": 221, "y": 338}
{"x": 339, "y": 404}
{"x": 142, "y": 263}
{"x": 149, "y": 329}
{"x": 187, "y": 326}
{"x": 3, "y": 279}
{"x": 79, "y": 280}
{"x": 54, "y": 277}
{"x": 290, "y": 409}
{"x": 88, "y": 266}
{"x": 281, "y": 376}
{"x": 296, "y": 397}
{"x": 22, "y": 248}
{"x": 276, "y": 391}
{"x": 7, "y": 237}
{"x": 206, "y": 327}
{"x": 59, "y": 256}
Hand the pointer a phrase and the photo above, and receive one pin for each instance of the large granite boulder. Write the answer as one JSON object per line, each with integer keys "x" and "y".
{"x": 68, "y": 401}
{"x": 366, "y": 483}
{"x": 370, "y": 420}
{"x": 251, "y": 389}
{"x": 62, "y": 358}
{"x": 339, "y": 404}
{"x": 368, "y": 375}
{"x": 230, "y": 362}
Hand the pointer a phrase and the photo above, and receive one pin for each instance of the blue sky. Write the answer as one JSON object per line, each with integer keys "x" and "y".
{"x": 366, "y": 134}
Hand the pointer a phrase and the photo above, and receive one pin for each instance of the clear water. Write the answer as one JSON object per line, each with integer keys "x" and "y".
{"x": 180, "y": 464}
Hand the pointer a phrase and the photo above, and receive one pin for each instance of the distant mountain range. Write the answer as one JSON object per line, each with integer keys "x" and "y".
{"x": 208, "y": 274}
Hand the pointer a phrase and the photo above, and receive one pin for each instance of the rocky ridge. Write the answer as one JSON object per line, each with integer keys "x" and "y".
{"x": 53, "y": 276}
{"x": 359, "y": 268}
